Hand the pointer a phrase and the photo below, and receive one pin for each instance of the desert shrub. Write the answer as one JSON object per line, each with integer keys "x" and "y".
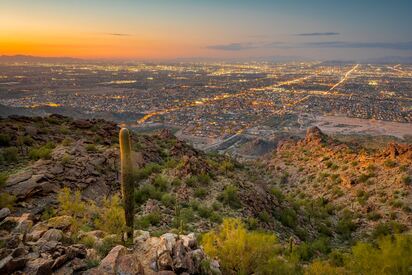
{"x": 168, "y": 200}
{"x": 147, "y": 170}
{"x": 91, "y": 148}
{"x": 389, "y": 163}
{"x": 5, "y": 140}
{"x": 364, "y": 177}
{"x": 277, "y": 193}
{"x": 386, "y": 229}
{"x": 3, "y": 179}
{"x": 307, "y": 251}
{"x": 216, "y": 205}
{"x": 107, "y": 244}
{"x": 10, "y": 154}
{"x": 264, "y": 216}
{"x": 176, "y": 182}
{"x": 67, "y": 141}
{"x": 43, "y": 152}
{"x": 161, "y": 183}
{"x": 391, "y": 256}
{"x": 203, "y": 178}
{"x": 150, "y": 219}
{"x": 373, "y": 216}
{"x": 183, "y": 217}
{"x": 252, "y": 223}
{"x": 88, "y": 241}
{"x": 230, "y": 197}
{"x": 145, "y": 192}
{"x": 288, "y": 217}
{"x": 48, "y": 213}
{"x": 239, "y": 250}
{"x": 66, "y": 159}
{"x": 215, "y": 217}
{"x": 111, "y": 217}
{"x": 280, "y": 266}
{"x": 345, "y": 225}
{"x": 71, "y": 203}
{"x": 204, "y": 211}
{"x": 7, "y": 200}
{"x": 226, "y": 166}
{"x": 191, "y": 181}
{"x": 319, "y": 267}
{"x": 362, "y": 196}
{"x": 406, "y": 179}
{"x": 200, "y": 192}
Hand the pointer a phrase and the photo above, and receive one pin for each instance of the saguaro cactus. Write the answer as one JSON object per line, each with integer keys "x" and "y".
{"x": 127, "y": 183}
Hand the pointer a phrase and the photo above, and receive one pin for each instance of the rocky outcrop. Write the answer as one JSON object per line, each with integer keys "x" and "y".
{"x": 44, "y": 249}
{"x": 173, "y": 254}
{"x": 398, "y": 151}
{"x": 37, "y": 249}
{"x": 314, "y": 136}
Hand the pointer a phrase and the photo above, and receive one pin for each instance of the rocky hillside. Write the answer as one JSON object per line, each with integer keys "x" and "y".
{"x": 60, "y": 209}
{"x": 360, "y": 190}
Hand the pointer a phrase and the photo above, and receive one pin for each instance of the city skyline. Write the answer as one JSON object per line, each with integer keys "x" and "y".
{"x": 158, "y": 30}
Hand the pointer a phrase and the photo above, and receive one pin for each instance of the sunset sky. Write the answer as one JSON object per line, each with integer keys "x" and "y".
{"x": 121, "y": 29}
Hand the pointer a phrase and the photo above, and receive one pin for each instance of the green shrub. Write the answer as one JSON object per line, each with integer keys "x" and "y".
{"x": 390, "y": 163}
{"x": 43, "y": 152}
{"x": 391, "y": 256}
{"x": 238, "y": 250}
{"x": 203, "y": 179}
{"x": 288, "y": 217}
{"x": 91, "y": 148}
{"x": 150, "y": 219}
{"x": 200, "y": 192}
{"x": 107, "y": 244}
{"x": 386, "y": 229}
{"x": 10, "y": 154}
{"x": 191, "y": 181}
{"x": 3, "y": 179}
{"x": 145, "y": 192}
{"x": 147, "y": 170}
{"x": 204, "y": 212}
{"x": 111, "y": 216}
{"x": 226, "y": 166}
{"x": 406, "y": 179}
{"x": 7, "y": 200}
{"x": 277, "y": 193}
{"x": 88, "y": 241}
{"x": 5, "y": 140}
{"x": 345, "y": 225}
{"x": 161, "y": 183}
{"x": 168, "y": 200}
{"x": 71, "y": 203}
{"x": 230, "y": 197}
{"x": 264, "y": 216}
{"x": 374, "y": 216}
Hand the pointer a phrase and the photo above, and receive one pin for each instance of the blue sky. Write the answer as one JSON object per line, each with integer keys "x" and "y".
{"x": 317, "y": 29}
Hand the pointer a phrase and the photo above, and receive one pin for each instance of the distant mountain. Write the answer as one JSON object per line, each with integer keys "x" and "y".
{"x": 390, "y": 60}
{"x": 34, "y": 59}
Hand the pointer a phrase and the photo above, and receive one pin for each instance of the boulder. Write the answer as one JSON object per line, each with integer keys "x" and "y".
{"x": 129, "y": 265}
{"x": 4, "y": 212}
{"x": 109, "y": 263}
{"x": 169, "y": 240}
{"x": 165, "y": 261}
{"x": 60, "y": 222}
{"x": 140, "y": 236}
{"x": 39, "y": 266}
{"x": 52, "y": 235}
{"x": 9, "y": 264}
{"x": 19, "y": 177}
{"x": 37, "y": 232}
